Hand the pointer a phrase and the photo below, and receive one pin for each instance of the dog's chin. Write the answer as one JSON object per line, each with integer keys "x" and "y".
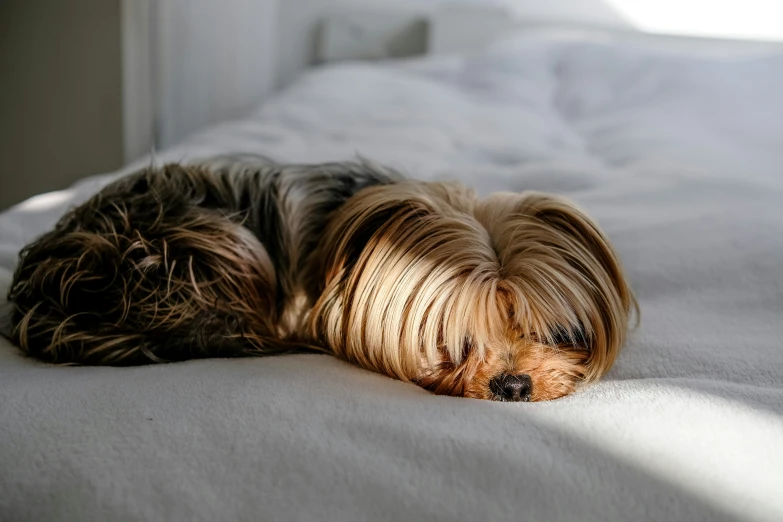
{"x": 552, "y": 378}
{"x": 526, "y": 373}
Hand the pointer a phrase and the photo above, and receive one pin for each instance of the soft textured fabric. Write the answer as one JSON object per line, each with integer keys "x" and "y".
{"x": 678, "y": 156}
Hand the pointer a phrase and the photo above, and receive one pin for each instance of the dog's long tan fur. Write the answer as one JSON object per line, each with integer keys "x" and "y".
{"x": 511, "y": 297}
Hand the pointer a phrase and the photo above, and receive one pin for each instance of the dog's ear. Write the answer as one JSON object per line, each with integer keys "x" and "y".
{"x": 351, "y": 228}
{"x": 351, "y": 250}
{"x": 400, "y": 280}
{"x": 379, "y": 212}
{"x": 566, "y": 283}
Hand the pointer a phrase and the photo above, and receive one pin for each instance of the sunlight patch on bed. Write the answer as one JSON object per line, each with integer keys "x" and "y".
{"x": 725, "y": 452}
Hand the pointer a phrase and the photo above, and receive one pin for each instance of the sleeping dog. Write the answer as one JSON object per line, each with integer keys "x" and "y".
{"x": 514, "y": 297}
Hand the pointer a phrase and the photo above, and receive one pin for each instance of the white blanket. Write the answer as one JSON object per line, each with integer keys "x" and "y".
{"x": 679, "y": 157}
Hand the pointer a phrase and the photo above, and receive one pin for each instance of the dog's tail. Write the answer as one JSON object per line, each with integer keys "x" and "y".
{"x": 153, "y": 268}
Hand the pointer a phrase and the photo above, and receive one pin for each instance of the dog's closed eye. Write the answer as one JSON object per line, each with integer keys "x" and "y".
{"x": 569, "y": 335}
{"x": 561, "y": 335}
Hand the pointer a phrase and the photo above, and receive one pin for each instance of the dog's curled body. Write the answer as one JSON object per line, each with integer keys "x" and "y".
{"x": 511, "y": 297}
{"x": 182, "y": 262}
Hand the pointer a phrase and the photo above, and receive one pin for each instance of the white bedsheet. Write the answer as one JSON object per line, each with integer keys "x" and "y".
{"x": 679, "y": 157}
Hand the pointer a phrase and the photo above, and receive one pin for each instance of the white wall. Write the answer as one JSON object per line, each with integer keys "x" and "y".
{"x": 598, "y": 13}
{"x": 215, "y": 61}
{"x": 87, "y": 85}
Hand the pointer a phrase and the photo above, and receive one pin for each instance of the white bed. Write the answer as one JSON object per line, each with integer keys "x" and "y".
{"x": 680, "y": 158}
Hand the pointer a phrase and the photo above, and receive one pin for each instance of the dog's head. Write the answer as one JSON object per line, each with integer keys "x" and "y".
{"x": 515, "y": 297}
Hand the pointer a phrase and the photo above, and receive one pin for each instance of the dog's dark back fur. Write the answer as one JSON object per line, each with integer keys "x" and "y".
{"x": 181, "y": 262}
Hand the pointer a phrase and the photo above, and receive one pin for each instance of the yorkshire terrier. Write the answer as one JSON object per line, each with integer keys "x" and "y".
{"x": 514, "y": 297}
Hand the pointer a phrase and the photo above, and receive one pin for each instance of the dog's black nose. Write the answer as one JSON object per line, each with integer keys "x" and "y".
{"x": 514, "y": 388}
